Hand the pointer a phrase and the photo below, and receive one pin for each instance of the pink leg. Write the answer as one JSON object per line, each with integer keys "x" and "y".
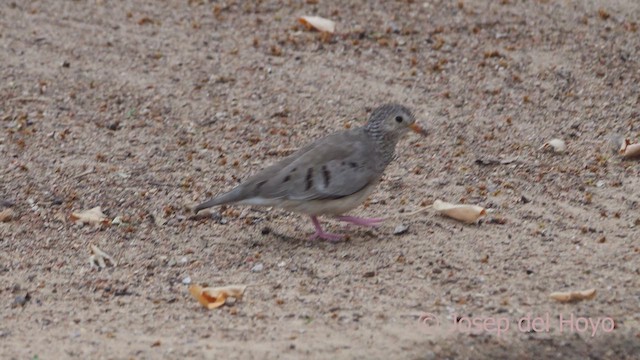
{"x": 321, "y": 233}
{"x": 368, "y": 222}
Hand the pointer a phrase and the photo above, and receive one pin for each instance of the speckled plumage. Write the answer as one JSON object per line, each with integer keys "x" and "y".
{"x": 331, "y": 175}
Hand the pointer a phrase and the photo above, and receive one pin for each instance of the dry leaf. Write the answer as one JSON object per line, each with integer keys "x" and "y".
{"x": 212, "y": 298}
{"x": 629, "y": 150}
{"x": 557, "y": 145}
{"x": 632, "y": 150}
{"x": 572, "y": 296}
{"x": 318, "y": 23}
{"x": 7, "y": 215}
{"x": 466, "y": 213}
{"x": 98, "y": 258}
{"x": 92, "y": 216}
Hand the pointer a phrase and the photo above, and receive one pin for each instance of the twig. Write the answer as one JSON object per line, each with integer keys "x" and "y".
{"x": 29, "y": 98}
{"x": 84, "y": 173}
{"x": 417, "y": 211}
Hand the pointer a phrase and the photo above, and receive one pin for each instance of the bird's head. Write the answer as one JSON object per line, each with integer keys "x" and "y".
{"x": 391, "y": 121}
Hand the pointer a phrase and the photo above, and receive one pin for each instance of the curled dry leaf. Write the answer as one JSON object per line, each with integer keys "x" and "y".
{"x": 557, "y": 145}
{"x": 92, "y": 216}
{"x": 318, "y": 23}
{"x": 7, "y": 215}
{"x": 212, "y": 298}
{"x": 629, "y": 150}
{"x": 632, "y": 150}
{"x": 462, "y": 212}
{"x": 98, "y": 258}
{"x": 572, "y": 296}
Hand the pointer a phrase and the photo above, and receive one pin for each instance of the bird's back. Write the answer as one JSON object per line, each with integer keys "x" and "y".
{"x": 333, "y": 167}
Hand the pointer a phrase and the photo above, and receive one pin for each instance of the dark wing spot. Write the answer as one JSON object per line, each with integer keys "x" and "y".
{"x": 326, "y": 175}
{"x": 286, "y": 178}
{"x": 353, "y": 165}
{"x": 309, "y": 179}
{"x": 260, "y": 184}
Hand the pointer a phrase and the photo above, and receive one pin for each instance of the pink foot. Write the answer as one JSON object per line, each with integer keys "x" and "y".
{"x": 321, "y": 233}
{"x": 367, "y": 222}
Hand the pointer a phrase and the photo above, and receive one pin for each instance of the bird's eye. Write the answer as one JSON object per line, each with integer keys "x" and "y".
{"x": 399, "y": 119}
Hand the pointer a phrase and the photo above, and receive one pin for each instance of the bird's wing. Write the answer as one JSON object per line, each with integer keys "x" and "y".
{"x": 333, "y": 167}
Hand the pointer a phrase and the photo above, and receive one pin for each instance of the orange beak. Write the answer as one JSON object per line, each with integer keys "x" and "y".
{"x": 415, "y": 127}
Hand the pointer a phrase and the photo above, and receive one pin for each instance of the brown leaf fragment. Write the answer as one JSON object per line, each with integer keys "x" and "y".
{"x": 212, "y": 298}
{"x": 573, "y": 296}
{"x": 7, "y": 215}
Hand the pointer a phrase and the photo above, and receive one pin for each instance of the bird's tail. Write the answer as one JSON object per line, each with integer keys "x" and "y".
{"x": 226, "y": 198}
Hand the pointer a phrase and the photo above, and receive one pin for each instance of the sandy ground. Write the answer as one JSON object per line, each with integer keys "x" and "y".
{"x": 147, "y": 107}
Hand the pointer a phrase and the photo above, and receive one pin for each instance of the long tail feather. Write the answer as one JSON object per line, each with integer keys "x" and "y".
{"x": 227, "y": 198}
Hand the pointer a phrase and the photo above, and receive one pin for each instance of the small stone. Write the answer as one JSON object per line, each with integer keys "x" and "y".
{"x": 524, "y": 199}
{"x": 114, "y": 126}
{"x": 265, "y": 230}
{"x": 186, "y": 280}
{"x": 257, "y": 267}
{"x": 429, "y": 355}
{"x": 600, "y": 183}
{"x": 369, "y": 274}
{"x": 282, "y": 264}
{"x": 400, "y": 229}
{"x": 66, "y": 64}
{"x": 21, "y": 300}
{"x": 230, "y": 301}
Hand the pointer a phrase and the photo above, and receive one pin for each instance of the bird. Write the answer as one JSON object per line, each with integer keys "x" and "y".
{"x": 330, "y": 176}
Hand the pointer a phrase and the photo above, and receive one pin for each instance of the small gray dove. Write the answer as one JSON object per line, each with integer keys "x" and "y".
{"x": 330, "y": 176}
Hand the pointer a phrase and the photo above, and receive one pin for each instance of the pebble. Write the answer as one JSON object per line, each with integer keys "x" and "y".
{"x": 400, "y": 229}
{"x": 230, "y": 301}
{"x": 21, "y": 300}
{"x": 114, "y": 126}
{"x": 186, "y": 280}
{"x": 7, "y": 203}
{"x": 257, "y": 267}
{"x": 369, "y": 274}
